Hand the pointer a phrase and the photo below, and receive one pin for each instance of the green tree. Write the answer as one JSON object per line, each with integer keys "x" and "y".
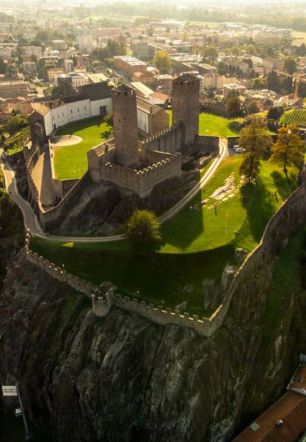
{"x": 233, "y": 106}
{"x": 256, "y": 141}
{"x": 275, "y": 113}
{"x": 3, "y": 66}
{"x": 162, "y": 61}
{"x": 288, "y": 149}
{"x": 250, "y": 168}
{"x": 252, "y": 107}
{"x": 143, "y": 230}
{"x": 209, "y": 53}
{"x": 290, "y": 65}
{"x": 16, "y": 123}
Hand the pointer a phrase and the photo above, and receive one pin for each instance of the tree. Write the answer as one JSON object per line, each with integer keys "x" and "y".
{"x": 275, "y": 113}
{"x": 143, "y": 230}
{"x": 252, "y": 107}
{"x": 290, "y": 65}
{"x": 209, "y": 53}
{"x": 250, "y": 168}
{"x": 233, "y": 106}
{"x": 256, "y": 141}
{"x": 288, "y": 149}
{"x": 3, "y": 66}
{"x": 162, "y": 61}
{"x": 259, "y": 83}
{"x": 16, "y": 123}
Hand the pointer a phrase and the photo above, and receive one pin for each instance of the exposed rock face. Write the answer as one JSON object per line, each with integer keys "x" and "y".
{"x": 124, "y": 378}
{"x": 101, "y": 207}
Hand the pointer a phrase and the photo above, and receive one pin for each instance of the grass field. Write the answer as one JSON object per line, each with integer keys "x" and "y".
{"x": 71, "y": 161}
{"x": 197, "y": 243}
{"x": 214, "y": 125}
{"x": 218, "y": 126}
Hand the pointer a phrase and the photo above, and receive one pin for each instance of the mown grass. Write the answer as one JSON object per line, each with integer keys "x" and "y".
{"x": 70, "y": 162}
{"x": 213, "y": 125}
{"x": 197, "y": 244}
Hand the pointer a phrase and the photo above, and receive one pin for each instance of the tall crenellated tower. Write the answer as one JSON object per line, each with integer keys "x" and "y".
{"x": 186, "y": 104}
{"x": 125, "y": 125}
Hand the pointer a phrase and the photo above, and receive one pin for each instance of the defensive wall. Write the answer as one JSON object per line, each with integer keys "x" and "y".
{"x": 173, "y": 140}
{"x": 144, "y": 180}
{"x": 168, "y": 140}
{"x": 281, "y": 226}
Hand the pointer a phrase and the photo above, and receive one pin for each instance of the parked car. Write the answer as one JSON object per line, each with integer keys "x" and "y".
{"x": 238, "y": 149}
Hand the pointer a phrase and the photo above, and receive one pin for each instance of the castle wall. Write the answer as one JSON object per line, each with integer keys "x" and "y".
{"x": 142, "y": 181}
{"x": 170, "y": 140}
{"x": 207, "y": 144}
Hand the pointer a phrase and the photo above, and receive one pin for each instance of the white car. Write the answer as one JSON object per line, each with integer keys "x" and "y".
{"x": 238, "y": 149}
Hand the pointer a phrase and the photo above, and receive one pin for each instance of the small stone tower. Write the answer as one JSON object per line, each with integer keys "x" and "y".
{"x": 125, "y": 125}
{"x": 186, "y": 104}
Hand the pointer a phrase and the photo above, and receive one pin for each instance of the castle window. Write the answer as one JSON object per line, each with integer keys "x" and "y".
{"x": 71, "y": 111}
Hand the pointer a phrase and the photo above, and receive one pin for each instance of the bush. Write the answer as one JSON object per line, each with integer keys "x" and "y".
{"x": 143, "y": 230}
{"x": 16, "y": 123}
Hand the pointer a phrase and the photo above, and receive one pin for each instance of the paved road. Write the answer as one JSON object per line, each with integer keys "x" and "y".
{"x": 32, "y": 224}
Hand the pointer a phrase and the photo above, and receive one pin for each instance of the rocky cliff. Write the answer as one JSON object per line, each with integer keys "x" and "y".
{"x": 124, "y": 378}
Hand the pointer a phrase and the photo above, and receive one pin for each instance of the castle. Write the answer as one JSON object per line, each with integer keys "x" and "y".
{"x": 133, "y": 166}
{"x": 139, "y": 167}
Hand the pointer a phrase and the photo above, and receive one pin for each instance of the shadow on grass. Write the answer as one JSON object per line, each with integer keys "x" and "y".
{"x": 258, "y": 204}
{"x": 284, "y": 185}
{"x": 156, "y": 277}
{"x": 187, "y": 225}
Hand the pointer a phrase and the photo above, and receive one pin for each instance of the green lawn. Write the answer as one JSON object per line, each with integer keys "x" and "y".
{"x": 71, "y": 161}
{"x": 214, "y": 125}
{"x": 218, "y": 126}
{"x": 197, "y": 243}
{"x": 234, "y": 220}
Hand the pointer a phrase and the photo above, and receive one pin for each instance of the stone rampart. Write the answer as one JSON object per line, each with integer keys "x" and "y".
{"x": 169, "y": 140}
{"x": 144, "y": 180}
{"x": 54, "y": 215}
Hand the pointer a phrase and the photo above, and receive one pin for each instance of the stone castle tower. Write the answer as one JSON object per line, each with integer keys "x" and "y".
{"x": 125, "y": 125}
{"x": 185, "y": 104}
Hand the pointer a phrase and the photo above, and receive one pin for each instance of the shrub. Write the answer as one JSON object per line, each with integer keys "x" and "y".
{"x": 143, "y": 230}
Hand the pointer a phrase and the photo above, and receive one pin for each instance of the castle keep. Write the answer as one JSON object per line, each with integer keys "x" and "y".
{"x": 125, "y": 125}
{"x": 185, "y": 105}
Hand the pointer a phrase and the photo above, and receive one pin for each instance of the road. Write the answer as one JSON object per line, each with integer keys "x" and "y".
{"x": 32, "y": 224}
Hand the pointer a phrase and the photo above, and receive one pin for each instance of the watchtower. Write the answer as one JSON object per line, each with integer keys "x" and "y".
{"x": 125, "y": 125}
{"x": 185, "y": 104}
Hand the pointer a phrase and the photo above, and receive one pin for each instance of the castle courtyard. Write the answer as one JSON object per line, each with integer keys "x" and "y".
{"x": 70, "y": 161}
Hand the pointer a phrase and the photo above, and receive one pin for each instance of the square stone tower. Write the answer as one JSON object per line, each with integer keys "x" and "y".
{"x": 186, "y": 104}
{"x": 125, "y": 125}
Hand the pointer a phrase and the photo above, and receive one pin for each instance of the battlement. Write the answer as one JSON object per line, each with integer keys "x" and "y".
{"x": 141, "y": 181}
{"x": 123, "y": 91}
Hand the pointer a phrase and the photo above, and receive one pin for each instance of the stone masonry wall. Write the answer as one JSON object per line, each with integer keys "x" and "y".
{"x": 144, "y": 180}
{"x": 170, "y": 140}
